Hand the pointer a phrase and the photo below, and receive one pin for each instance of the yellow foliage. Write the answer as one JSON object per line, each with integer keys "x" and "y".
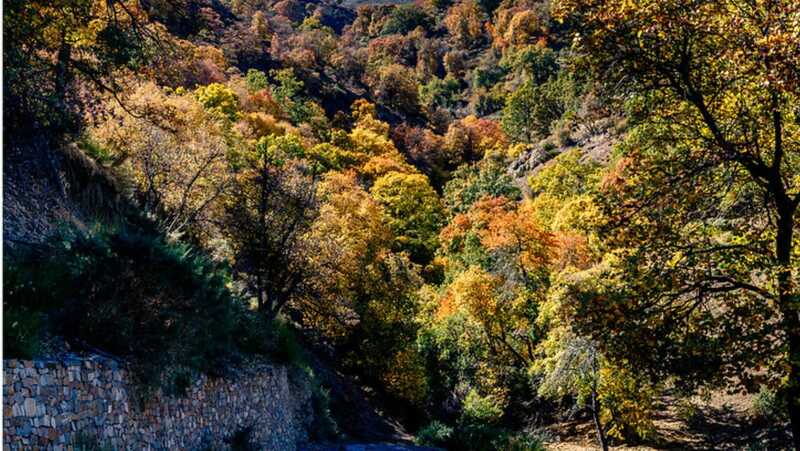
{"x": 406, "y": 377}
{"x": 257, "y": 125}
{"x": 464, "y": 22}
{"x": 380, "y": 165}
{"x": 364, "y": 115}
{"x": 627, "y": 402}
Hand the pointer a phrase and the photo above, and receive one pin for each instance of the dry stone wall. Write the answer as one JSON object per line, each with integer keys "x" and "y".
{"x": 49, "y": 404}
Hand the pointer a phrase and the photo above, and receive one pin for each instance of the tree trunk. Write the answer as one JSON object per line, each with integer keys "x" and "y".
{"x": 62, "y": 73}
{"x": 793, "y": 391}
{"x": 791, "y": 314}
{"x": 260, "y": 290}
{"x": 601, "y": 434}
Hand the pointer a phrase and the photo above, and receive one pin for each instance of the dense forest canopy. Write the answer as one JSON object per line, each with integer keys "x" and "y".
{"x": 490, "y": 212}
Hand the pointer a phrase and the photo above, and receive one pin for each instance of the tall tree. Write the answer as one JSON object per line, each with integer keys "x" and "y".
{"x": 271, "y": 208}
{"x": 709, "y": 184}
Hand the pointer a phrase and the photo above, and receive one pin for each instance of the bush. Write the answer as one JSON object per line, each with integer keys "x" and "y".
{"x": 22, "y": 332}
{"x": 256, "y": 80}
{"x": 434, "y": 434}
{"x": 481, "y": 409}
{"x": 530, "y": 111}
{"x": 283, "y": 344}
{"x": 324, "y": 426}
{"x": 405, "y": 18}
{"x": 131, "y": 294}
{"x": 689, "y": 413}
{"x": 769, "y": 406}
{"x": 523, "y": 442}
{"x": 438, "y": 92}
{"x": 481, "y": 437}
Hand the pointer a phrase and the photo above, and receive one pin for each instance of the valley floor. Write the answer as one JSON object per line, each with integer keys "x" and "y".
{"x": 721, "y": 422}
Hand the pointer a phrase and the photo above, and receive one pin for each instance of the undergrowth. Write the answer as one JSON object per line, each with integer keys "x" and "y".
{"x": 162, "y": 306}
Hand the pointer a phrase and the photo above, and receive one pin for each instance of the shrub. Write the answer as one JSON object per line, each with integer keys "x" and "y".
{"x": 131, "y": 294}
{"x": 22, "y": 330}
{"x": 324, "y": 426}
{"x": 438, "y": 92}
{"x": 769, "y": 406}
{"x": 530, "y": 111}
{"x": 482, "y": 409}
{"x": 537, "y": 63}
{"x": 689, "y": 413}
{"x": 219, "y": 100}
{"x": 284, "y": 345}
{"x": 522, "y": 442}
{"x": 435, "y": 433}
{"x": 256, "y": 80}
{"x": 405, "y": 18}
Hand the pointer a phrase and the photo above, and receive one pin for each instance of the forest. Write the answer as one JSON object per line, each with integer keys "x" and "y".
{"x": 497, "y": 217}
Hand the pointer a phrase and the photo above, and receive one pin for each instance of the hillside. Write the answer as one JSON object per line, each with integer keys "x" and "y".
{"x": 473, "y": 225}
{"x": 354, "y": 4}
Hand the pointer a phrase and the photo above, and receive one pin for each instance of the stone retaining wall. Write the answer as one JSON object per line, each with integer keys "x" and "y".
{"x": 49, "y": 404}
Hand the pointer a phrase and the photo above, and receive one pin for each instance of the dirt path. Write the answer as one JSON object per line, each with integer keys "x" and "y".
{"x": 720, "y": 422}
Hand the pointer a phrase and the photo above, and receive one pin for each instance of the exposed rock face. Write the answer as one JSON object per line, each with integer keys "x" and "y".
{"x": 49, "y": 404}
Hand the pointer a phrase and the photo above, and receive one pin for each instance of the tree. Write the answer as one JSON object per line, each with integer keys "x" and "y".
{"x": 413, "y": 212}
{"x": 620, "y": 400}
{"x": 267, "y": 215}
{"x": 470, "y": 183}
{"x": 709, "y": 175}
{"x": 438, "y": 92}
{"x": 404, "y": 18}
{"x": 395, "y": 86}
{"x": 464, "y": 22}
{"x": 362, "y": 298}
{"x": 219, "y": 100}
{"x": 176, "y": 154}
{"x": 49, "y": 45}
{"x": 530, "y": 111}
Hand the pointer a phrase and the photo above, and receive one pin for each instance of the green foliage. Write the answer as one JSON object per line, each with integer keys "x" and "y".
{"x": 284, "y": 345}
{"x": 664, "y": 262}
{"x": 769, "y": 405}
{"x": 531, "y": 110}
{"x": 332, "y": 157}
{"x": 22, "y": 329}
{"x": 277, "y": 149}
{"x": 524, "y": 442}
{"x": 469, "y": 183}
{"x": 218, "y": 99}
{"x": 481, "y": 409}
{"x": 288, "y": 86}
{"x": 256, "y": 80}
{"x": 413, "y": 212}
{"x": 435, "y": 433}
{"x": 534, "y": 63}
{"x": 324, "y": 426}
{"x": 486, "y": 77}
{"x": 405, "y": 18}
{"x": 567, "y": 175}
{"x": 131, "y": 294}
{"x": 99, "y": 153}
{"x": 50, "y": 44}
{"x": 438, "y": 92}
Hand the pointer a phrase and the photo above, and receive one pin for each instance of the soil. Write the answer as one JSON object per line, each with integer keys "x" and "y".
{"x": 719, "y": 422}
